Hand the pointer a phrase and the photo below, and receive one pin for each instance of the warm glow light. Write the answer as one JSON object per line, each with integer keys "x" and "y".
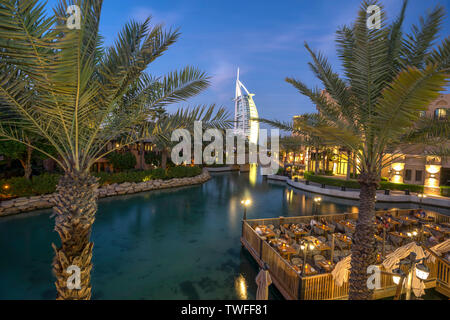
{"x": 432, "y": 182}
{"x": 6, "y": 187}
{"x": 396, "y": 279}
{"x": 397, "y": 179}
{"x": 433, "y": 169}
{"x": 311, "y": 247}
{"x": 241, "y": 287}
{"x": 302, "y": 247}
{"x": 117, "y": 145}
{"x": 317, "y": 199}
{"x": 422, "y": 271}
{"x": 414, "y": 233}
{"x": 398, "y": 167}
{"x": 246, "y": 202}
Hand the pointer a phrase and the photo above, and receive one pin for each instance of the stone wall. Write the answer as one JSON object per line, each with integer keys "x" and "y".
{"x": 26, "y": 204}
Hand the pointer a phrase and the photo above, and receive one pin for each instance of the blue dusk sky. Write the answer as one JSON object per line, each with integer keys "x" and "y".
{"x": 264, "y": 38}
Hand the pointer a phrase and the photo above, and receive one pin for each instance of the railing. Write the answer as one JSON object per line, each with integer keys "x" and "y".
{"x": 323, "y": 286}
{"x": 281, "y": 270}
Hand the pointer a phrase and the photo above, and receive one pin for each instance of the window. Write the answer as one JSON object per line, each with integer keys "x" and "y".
{"x": 418, "y": 175}
{"x": 408, "y": 174}
{"x": 440, "y": 113}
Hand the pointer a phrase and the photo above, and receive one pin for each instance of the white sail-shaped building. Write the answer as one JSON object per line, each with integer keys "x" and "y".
{"x": 244, "y": 111}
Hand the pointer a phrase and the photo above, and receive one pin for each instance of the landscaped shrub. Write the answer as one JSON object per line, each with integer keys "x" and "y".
{"x": 332, "y": 181}
{"x": 445, "y": 191}
{"x": 355, "y": 184}
{"x": 280, "y": 172}
{"x": 153, "y": 158}
{"x": 122, "y": 161}
{"x": 22, "y": 187}
{"x": 400, "y": 186}
{"x": 180, "y": 172}
{"x": 46, "y": 183}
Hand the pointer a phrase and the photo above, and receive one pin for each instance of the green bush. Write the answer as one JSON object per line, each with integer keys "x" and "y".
{"x": 153, "y": 158}
{"x": 445, "y": 191}
{"x": 355, "y": 184}
{"x": 180, "y": 172}
{"x": 331, "y": 181}
{"x": 122, "y": 161}
{"x": 400, "y": 186}
{"x": 22, "y": 187}
{"x": 45, "y": 183}
{"x": 280, "y": 171}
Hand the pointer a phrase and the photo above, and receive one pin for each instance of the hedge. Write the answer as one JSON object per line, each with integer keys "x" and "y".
{"x": 352, "y": 184}
{"x": 331, "y": 181}
{"x": 46, "y": 183}
{"x": 22, "y": 187}
{"x": 445, "y": 191}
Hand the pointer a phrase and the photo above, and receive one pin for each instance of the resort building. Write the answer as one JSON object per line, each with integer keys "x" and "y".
{"x": 244, "y": 111}
{"x": 417, "y": 165}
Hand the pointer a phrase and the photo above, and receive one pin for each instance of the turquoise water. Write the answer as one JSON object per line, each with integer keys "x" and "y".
{"x": 170, "y": 244}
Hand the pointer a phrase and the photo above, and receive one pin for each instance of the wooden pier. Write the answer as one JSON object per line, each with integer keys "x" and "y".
{"x": 294, "y": 286}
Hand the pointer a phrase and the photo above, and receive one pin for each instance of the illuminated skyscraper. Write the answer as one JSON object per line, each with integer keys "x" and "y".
{"x": 244, "y": 111}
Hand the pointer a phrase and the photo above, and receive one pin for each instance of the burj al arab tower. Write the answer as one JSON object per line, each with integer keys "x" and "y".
{"x": 244, "y": 111}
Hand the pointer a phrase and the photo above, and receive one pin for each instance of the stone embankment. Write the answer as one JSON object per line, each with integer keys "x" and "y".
{"x": 26, "y": 204}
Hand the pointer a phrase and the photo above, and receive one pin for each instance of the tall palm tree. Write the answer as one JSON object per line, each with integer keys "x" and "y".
{"x": 389, "y": 78}
{"x": 79, "y": 97}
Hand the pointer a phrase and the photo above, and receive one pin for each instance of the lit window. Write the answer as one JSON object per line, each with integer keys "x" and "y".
{"x": 440, "y": 113}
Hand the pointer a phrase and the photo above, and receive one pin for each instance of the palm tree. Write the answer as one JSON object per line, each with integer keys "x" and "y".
{"x": 79, "y": 97}
{"x": 161, "y": 128}
{"x": 389, "y": 78}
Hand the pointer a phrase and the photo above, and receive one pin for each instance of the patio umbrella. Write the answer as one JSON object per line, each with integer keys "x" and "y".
{"x": 263, "y": 281}
{"x": 440, "y": 249}
{"x": 394, "y": 258}
{"x": 340, "y": 271}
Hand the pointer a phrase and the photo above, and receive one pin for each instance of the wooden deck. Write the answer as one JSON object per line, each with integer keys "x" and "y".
{"x": 293, "y": 286}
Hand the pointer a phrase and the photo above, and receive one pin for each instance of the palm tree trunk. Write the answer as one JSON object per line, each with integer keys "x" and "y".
{"x": 316, "y": 162}
{"x": 26, "y": 164}
{"x": 348, "y": 165}
{"x": 75, "y": 208}
{"x": 164, "y": 159}
{"x": 363, "y": 247}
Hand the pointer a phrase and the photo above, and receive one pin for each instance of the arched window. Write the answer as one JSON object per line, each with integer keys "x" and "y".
{"x": 440, "y": 113}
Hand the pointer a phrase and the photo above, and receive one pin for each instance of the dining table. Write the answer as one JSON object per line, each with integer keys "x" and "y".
{"x": 441, "y": 229}
{"x": 266, "y": 232}
{"x": 286, "y": 251}
{"x": 319, "y": 245}
{"x": 342, "y": 240}
{"x": 326, "y": 265}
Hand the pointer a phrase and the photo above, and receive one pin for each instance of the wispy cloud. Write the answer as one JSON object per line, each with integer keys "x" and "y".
{"x": 168, "y": 18}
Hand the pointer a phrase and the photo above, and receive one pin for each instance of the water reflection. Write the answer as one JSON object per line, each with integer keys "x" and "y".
{"x": 241, "y": 287}
{"x": 171, "y": 244}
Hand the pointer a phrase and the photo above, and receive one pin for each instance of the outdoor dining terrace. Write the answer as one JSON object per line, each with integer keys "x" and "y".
{"x": 303, "y": 253}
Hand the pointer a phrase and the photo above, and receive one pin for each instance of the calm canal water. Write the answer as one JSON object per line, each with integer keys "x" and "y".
{"x": 170, "y": 244}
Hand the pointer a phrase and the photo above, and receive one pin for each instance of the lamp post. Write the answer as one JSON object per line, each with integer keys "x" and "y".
{"x": 421, "y": 197}
{"x": 246, "y": 203}
{"x": 317, "y": 201}
{"x": 305, "y": 246}
{"x": 414, "y": 265}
